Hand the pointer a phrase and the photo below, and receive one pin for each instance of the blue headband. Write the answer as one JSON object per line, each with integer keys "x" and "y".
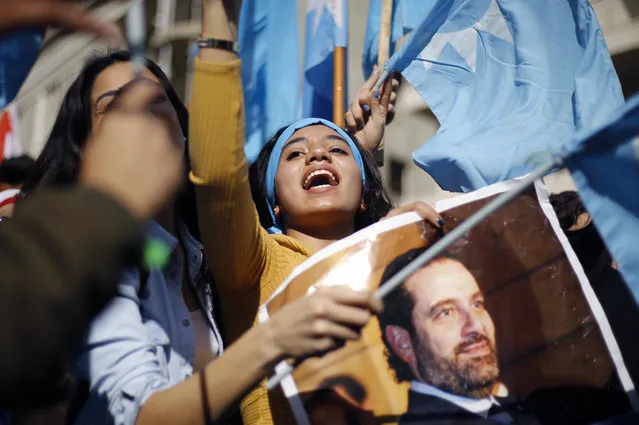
{"x": 274, "y": 160}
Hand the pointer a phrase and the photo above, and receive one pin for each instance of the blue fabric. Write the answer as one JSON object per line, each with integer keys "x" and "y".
{"x": 607, "y": 177}
{"x": 407, "y": 15}
{"x": 326, "y": 28}
{"x": 508, "y": 81}
{"x": 269, "y": 49}
{"x": 142, "y": 342}
{"x": 274, "y": 160}
{"x": 18, "y": 52}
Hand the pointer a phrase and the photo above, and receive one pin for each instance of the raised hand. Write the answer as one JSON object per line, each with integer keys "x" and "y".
{"x": 321, "y": 322}
{"x": 134, "y": 155}
{"x": 425, "y": 211}
{"x": 369, "y": 113}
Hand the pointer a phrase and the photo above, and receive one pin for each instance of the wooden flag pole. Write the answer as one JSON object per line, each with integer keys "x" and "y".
{"x": 339, "y": 97}
{"x": 385, "y": 32}
{"x": 383, "y": 55}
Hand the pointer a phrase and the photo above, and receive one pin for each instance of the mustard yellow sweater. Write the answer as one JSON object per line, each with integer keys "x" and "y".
{"x": 248, "y": 263}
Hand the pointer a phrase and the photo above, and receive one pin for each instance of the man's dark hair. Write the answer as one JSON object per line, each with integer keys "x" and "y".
{"x": 14, "y": 171}
{"x": 568, "y": 207}
{"x": 398, "y": 310}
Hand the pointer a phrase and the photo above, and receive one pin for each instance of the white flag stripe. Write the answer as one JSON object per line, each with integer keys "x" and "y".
{"x": 465, "y": 41}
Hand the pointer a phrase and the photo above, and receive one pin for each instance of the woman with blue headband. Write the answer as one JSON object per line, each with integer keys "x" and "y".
{"x": 311, "y": 185}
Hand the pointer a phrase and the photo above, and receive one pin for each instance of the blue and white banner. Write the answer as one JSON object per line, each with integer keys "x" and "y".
{"x": 508, "y": 82}
{"x": 606, "y": 172}
{"x": 407, "y": 15}
{"x": 269, "y": 49}
{"x": 326, "y": 29}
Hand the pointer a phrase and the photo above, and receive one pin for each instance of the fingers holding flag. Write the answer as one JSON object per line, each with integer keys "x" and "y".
{"x": 369, "y": 113}
{"x": 360, "y": 109}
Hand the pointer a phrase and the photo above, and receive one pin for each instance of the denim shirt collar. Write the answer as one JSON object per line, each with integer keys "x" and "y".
{"x": 192, "y": 247}
{"x": 155, "y": 231}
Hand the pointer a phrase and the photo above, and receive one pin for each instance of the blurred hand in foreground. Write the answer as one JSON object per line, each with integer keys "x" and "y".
{"x": 133, "y": 155}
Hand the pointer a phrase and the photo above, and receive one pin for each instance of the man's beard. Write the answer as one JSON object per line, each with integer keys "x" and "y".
{"x": 469, "y": 377}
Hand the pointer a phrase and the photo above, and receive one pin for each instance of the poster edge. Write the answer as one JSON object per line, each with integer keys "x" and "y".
{"x": 376, "y": 229}
{"x": 593, "y": 302}
{"x": 289, "y": 388}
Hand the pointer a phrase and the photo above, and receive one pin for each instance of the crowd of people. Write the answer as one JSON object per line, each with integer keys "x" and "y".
{"x": 145, "y": 344}
{"x": 92, "y": 327}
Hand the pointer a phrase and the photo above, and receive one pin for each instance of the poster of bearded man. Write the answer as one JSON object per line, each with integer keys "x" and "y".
{"x": 502, "y": 327}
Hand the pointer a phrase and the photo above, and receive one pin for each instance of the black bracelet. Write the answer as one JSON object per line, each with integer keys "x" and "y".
{"x": 214, "y": 43}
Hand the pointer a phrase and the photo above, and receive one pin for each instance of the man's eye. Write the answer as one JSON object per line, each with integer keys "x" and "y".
{"x": 479, "y": 304}
{"x": 447, "y": 312}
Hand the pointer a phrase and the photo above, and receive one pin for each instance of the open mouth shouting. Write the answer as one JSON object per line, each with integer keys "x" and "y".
{"x": 319, "y": 179}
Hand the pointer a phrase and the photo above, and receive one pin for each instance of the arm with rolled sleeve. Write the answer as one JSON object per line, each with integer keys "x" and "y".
{"x": 126, "y": 367}
{"x": 121, "y": 362}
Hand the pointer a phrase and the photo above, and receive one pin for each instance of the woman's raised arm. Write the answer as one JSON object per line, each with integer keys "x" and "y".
{"x": 339, "y": 313}
{"x": 234, "y": 241}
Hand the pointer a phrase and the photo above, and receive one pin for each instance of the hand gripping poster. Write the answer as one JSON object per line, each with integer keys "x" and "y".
{"x": 502, "y": 327}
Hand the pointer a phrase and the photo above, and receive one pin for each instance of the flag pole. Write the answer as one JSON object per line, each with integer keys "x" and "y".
{"x": 339, "y": 71}
{"x": 466, "y": 226}
{"x": 385, "y": 32}
{"x": 383, "y": 55}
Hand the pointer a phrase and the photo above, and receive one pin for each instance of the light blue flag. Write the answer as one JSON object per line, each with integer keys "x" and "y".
{"x": 407, "y": 15}
{"x": 269, "y": 49}
{"x": 326, "y": 28}
{"x": 18, "y": 52}
{"x": 606, "y": 172}
{"x": 508, "y": 81}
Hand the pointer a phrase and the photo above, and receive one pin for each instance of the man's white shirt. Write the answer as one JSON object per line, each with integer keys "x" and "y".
{"x": 478, "y": 406}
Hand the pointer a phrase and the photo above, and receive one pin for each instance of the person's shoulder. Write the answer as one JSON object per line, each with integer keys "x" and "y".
{"x": 433, "y": 410}
{"x": 290, "y": 246}
{"x": 282, "y": 255}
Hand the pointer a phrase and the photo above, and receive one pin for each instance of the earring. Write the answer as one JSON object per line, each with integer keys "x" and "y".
{"x": 362, "y": 206}
{"x": 276, "y": 211}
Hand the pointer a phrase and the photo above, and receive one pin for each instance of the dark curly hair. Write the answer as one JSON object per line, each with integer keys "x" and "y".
{"x": 398, "y": 310}
{"x": 568, "y": 207}
{"x": 375, "y": 197}
{"x": 59, "y": 161}
{"x": 13, "y": 171}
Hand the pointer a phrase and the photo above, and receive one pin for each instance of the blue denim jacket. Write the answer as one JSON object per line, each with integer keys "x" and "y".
{"x": 143, "y": 341}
